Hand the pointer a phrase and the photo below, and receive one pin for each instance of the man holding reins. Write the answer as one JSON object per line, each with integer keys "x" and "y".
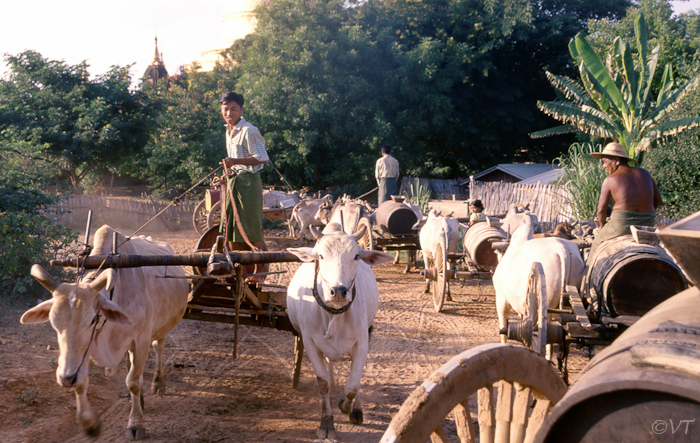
{"x": 246, "y": 156}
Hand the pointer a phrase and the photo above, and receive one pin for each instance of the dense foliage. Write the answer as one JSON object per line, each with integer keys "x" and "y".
{"x": 615, "y": 100}
{"x": 86, "y": 124}
{"x": 28, "y": 235}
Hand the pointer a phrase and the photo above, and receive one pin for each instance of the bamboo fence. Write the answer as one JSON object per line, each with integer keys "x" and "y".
{"x": 124, "y": 212}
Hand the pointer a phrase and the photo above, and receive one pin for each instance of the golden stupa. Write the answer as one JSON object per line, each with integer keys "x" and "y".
{"x": 238, "y": 21}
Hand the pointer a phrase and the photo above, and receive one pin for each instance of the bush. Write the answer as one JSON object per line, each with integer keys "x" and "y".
{"x": 582, "y": 179}
{"x": 675, "y": 166}
{"x": 28, "y": 233}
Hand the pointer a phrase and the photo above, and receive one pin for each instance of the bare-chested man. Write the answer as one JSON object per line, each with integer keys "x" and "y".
{"x": 633, "y": 191}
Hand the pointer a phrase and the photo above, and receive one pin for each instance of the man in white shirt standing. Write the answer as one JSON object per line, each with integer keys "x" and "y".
{"x": 246, "y": 156}
{"x": 386, "y": 172}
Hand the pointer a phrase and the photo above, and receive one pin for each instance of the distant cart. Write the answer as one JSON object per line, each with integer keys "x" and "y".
{"x": 477, "y": 260}
{"x": 207, "y": 213}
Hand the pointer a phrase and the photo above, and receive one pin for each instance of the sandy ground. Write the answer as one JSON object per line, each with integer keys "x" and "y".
{"x": 212, "y": 397}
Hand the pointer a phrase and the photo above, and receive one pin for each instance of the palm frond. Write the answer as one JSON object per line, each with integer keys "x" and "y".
{"x": 571, "y": 89}
{"x": 557, "y": 130}
{"x": 668, "y": 129}
{"x": 578, "y": 117}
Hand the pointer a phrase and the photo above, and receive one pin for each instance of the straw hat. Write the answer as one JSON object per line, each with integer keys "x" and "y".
{"x": 611, "y": 149}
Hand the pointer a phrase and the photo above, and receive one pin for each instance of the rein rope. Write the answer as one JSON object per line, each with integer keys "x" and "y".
{"x": 320, "y": 301}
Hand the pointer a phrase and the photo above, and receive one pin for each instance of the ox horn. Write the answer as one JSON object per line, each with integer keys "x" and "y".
{"x": 44, "y": 278}
{"x": 316, "y": 232}
{"x": 359, "y": 234}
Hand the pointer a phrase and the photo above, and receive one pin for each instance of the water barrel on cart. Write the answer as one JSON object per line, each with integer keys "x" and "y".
{"x": 477, "y": 243}
{"x": 645, "y": 386}
{"x": 395, "y": 218}
{"x": 631, "y": 278}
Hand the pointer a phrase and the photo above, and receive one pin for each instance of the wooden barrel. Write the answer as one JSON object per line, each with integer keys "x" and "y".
{"x": 632, "y": 278}
{"x": 644, "y": 387}
{"x": 395, "y": 218}
{"x": 477, "y": 243}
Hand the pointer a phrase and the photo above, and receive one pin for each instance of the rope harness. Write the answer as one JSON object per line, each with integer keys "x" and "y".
{"x": 319, "y": 300}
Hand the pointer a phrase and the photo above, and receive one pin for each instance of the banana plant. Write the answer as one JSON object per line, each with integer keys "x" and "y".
{"x": 615, "y": 100}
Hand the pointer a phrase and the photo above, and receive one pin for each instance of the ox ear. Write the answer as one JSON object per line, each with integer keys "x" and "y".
{"x": 112, "y": 311}
{"x": 38, "y": 314}
{"x": 375, "y": 257}
{"x": 304, "y": 254}
{"x": 44, "y": 278}
{"x": 104, "y": 280}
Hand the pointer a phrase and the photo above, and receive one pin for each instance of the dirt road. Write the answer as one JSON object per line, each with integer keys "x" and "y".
{"x": 212, "y": 397}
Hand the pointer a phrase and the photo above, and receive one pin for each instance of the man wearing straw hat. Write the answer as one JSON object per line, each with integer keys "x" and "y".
{"x": 633, "y": 191}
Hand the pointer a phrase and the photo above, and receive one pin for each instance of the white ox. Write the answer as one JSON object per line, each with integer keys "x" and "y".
{"x": 90, "y": 326}
{"x": 437, "y": 229}
{"x": 278, "y": 199}
{"x": 304, "y": 215}
{"x": 561, "y": 262}
{"x": 346, "y": 212}
{"x": 331, "y": 302}
{"x": 516, "y": 217}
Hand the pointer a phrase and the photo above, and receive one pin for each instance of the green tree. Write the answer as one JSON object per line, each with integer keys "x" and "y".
{"x": 28, "y": 233}
{"x": 187, "y": 141}
{"x": 616, "y": 99}
{"x": 86, "y": 124}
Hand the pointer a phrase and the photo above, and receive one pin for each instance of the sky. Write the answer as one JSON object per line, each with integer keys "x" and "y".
{"x": 107, "y": 33}
{"x": 122, "y": 32}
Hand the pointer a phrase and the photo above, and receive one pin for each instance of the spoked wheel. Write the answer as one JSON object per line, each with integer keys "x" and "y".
{"x": 214, "y": 217}
{"x": 537, "y": 308}
{"x": 367, "y": 240}
{"x": 509, "y": 388}
{"x": 440, "y": 282}
{"x": 199, "y": 218}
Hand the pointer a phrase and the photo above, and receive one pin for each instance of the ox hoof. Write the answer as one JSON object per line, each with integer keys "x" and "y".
{"x": 158, "y": 388}
{"x": 344, "y": 405}
{"x": 326, "y": 431}
{"x": 136, "y": 433}
{"x": 93, "y": 431}
{"x": 356, "y": 417}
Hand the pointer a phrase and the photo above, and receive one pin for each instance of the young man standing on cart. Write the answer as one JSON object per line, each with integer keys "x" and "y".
{"x": 246, "y": 156}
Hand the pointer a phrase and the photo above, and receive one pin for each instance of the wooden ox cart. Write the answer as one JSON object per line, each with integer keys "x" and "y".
{"x": 627, "y": 277}
{"x": 645, "y": 385}
{"x": 218, "y": 291}
{"x": 476, "y": 259}
{"x": 207, "y": 213}
{"x": 391, "y": 228}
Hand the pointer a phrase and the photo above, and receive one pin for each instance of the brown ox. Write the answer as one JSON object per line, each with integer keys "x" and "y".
{"x": 93, "y": 325}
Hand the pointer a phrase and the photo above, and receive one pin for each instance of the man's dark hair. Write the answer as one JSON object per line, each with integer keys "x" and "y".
{"x": 478, "y": 204}
{"x": 232, "y": 97}
{"x": 386, "y": 149}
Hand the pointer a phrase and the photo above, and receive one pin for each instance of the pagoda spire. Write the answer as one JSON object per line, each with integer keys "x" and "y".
{"x": 157, "y": 58}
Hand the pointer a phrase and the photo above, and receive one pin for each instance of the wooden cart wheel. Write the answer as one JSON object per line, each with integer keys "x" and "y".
{"x": 514, "y": 388}
{"x": 214, "y": 217}
{"x": 537, "y": 308}
{"x": 367, "y": 240}
{"x": 440, "y": 283}
{"x": 199, "y": 218}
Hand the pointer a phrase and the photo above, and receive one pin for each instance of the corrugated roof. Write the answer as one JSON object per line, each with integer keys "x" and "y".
{"x": 521, "y": 171}
{"x": 544, "y": 178}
